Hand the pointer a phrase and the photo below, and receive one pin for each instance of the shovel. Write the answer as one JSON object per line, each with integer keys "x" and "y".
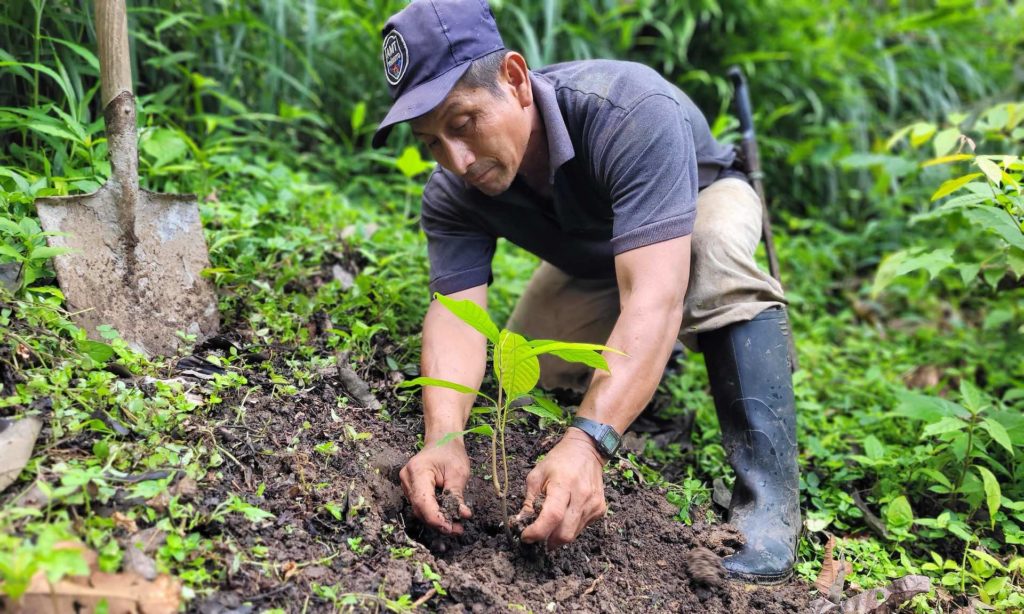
{"x": 135, "y": 257}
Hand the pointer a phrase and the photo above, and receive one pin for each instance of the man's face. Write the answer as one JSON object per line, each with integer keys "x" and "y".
{"x": 478, "y": 136}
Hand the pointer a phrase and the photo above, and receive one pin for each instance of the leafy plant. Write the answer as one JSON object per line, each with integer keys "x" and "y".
{"x": 517, "y": 371}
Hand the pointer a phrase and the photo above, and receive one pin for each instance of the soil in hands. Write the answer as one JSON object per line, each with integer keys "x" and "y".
{"x": 340, "y": 521}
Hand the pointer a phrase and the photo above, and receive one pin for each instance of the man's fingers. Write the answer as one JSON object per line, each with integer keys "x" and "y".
{"x": 419, "y": 490}
{"x": 534, "y": 486}
{"x": 571, "y": 526}
{"x": 555, "y": 505}
{"x": 464, "y": 510}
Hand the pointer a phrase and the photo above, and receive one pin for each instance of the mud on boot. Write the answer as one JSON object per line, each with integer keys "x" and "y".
{"x": 751, "y": 381}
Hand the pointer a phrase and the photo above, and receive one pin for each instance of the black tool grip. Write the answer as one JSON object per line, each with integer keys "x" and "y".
{"x": 742, "y": 101}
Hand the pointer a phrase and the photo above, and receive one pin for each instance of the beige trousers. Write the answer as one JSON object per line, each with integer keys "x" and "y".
{"x": 726, "y": 286}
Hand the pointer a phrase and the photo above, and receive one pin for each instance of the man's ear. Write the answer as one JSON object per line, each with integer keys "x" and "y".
{"x": 516, "y": 75}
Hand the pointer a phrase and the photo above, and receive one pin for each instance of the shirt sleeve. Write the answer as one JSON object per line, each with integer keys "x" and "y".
{"x": 460, "y": 254}
{"x": 648, "y": 163}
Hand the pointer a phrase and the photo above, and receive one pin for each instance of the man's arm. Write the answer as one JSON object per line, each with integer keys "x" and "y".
{"x": 453, "y": 351}
{"x": 652, "y": 284}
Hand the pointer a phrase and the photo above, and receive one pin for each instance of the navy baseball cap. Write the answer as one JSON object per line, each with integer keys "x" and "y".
{"x": 428, "y": 46}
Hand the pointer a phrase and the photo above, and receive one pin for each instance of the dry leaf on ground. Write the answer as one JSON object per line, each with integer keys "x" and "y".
{"x": 124, "y": 593}
{"x": 833, "y": 573}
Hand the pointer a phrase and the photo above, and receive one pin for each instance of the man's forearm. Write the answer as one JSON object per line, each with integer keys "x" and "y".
{"x": 646, "y": 333}
{"x": 455, "y": 352}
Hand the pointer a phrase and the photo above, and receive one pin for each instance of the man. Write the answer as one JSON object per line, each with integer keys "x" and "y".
{"x": 610, "y": 174}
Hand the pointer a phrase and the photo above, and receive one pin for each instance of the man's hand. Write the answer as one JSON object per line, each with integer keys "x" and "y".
{"x": 433, "y": 467}
{"x": 571, "y": 479}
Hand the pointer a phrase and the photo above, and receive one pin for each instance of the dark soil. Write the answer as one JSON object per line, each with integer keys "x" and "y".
{"x": 371, "y": 548}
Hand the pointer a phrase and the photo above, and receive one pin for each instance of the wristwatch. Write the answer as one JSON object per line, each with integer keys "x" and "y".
{"x": 607, "y": 440}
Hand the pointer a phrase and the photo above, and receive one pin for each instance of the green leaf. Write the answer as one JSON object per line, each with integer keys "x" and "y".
{"x": 920, "y": 133}
{"x": 902, "y": 262}
{"x": 410, "y": 163}
{"x": 440, "y": 383}
{"x": 998, "y": 433}
{"x": 998, "y": 221}
{"x": 898, "y": 514}
{"x": 358, "y": 116}
{"x": 472, "y": 314}
{"x": 10, "y": 252}
{"x": 953, "y": 185}
{"x": 583, "y": 353}
{"x": 483, "y": 429}
{"x": 923, "y": 407}
{"x": 873, "y": 448}
{"x": 100, "y": 352}
{"x": 973, "y": 398}
{"x": 946, "y": 425}
{"x": 164, "y": 146}
{"x": 516, "y": 369}
{"x": 991, "y": 170}
{"x": 545, "y": 408}
{"x": 45, "y": 252}
{"x": 993, "y": 495}
{"x": 945, "y": 140}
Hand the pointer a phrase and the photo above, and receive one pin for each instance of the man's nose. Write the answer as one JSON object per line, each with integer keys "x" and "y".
{"x": 460, "y": 157}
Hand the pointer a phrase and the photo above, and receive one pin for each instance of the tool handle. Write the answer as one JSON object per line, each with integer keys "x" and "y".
{"x": 112, "y": 36}
{"x": 742, "y": 101}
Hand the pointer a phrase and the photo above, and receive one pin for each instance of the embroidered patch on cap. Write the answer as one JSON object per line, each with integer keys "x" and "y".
{"x": 396, "y": 57}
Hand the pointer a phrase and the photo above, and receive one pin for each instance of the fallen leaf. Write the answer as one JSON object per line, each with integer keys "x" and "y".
{"x": 833, "y": 573}
{"x": 123, "y": 522}
{"x": 888, "y": 599}
{"x": 123, "y": 593}
{"x": 16, "y": 443}
{"x": 924, "y": 376}
{"x": 290, "y": 568}
{"x": 185, "y": 487}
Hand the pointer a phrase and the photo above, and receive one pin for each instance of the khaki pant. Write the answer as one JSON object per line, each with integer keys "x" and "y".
{"x": 726, "y": 286}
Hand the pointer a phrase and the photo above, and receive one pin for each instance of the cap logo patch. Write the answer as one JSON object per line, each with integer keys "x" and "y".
{"x": 396, "y": 57}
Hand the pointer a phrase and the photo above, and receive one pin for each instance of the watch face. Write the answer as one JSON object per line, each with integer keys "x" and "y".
{"x": 610, "y": 441}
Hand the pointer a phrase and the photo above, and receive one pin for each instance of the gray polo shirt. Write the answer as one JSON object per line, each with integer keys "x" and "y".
{"x": 628, "y": 152}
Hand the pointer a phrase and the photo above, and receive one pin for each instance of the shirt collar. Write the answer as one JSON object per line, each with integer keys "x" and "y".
{"x": 560, "y": 148}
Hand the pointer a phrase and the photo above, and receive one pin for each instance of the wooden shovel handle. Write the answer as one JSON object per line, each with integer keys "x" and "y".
{"x": 112, "y": 35}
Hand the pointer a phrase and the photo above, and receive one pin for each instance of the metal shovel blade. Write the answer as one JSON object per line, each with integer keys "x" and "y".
{"x": 136, "y": 257}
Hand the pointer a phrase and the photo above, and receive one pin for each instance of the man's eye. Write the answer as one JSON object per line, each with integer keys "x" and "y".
{"x": 462, "y": 127}
{"x": 433, "y": 144}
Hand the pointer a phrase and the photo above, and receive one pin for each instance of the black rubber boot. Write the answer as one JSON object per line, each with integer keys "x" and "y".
{"x": 748, "y": 365}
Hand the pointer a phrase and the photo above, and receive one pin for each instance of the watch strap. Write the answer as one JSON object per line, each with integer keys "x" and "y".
{"x": 606, "y": 438}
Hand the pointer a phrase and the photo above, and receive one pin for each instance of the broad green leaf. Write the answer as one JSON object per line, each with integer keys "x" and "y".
{"x": 472, "y": 314}
{"x": 991, "y": 170}
{"x": 898, "y": 514}
{"x": 921, "y": 133}
{"x": 946, "y": 425}
{"x": 483, "y": 429}
{"x": 100, "y": 352}
{"x": 993, "y": 495}
{"x": 410, "y": 163}
{"x": 584, "y": 353}
{"x": 10, "y": 252}
{"x": 917, "y": 406}
{"x": 953, "y": 185}
{"x": 44, "y": 252}
{"x": 998, "y": 221}
{"x": 902, "y": 262}
{"x": 440, "y": 383}
{"x": 873, "y": 448}
{"x": 163, "y": 145}
{"x": 549, "y": 405}
{"x": 542, "y": 412}
{"x": 998, "y": 433}
{"x": 945, "y": 140}
{"x": 973, "y": 398}
{"x": 515, "y": 368}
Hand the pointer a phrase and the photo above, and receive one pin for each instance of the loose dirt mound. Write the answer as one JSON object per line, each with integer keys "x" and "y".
{"x": 341, "y": 523}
